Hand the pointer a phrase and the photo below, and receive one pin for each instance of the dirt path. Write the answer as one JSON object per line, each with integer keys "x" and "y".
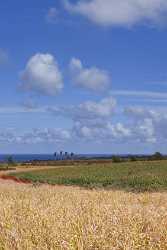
{"x": 20, "y": 169}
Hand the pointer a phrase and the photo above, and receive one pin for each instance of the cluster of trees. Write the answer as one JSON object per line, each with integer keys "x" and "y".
{"x": 155, "y": 157}
{"x": 64, "y": 155}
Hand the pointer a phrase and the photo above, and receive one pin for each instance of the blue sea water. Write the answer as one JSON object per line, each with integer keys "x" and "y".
{"x": 26, "y": 157}
{"x": 30, "y": 157}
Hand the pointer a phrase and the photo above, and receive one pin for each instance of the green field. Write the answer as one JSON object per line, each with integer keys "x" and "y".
{"x": 130, "y": 176}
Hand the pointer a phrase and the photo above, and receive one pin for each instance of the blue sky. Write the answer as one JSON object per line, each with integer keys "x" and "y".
{"x": 83, "y": 76}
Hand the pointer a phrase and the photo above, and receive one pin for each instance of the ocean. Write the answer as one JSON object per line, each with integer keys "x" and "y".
{"x": 45, "y": 157}
{"x": 26, "y": 157}
{"x": 31, "y": 157}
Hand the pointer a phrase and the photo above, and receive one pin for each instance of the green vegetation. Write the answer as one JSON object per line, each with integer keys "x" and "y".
{"x": 116, "y": 159}
{"x": 131, "y": 176}
{"x": 133, "y": 158}
{"x": 157, "y": 156}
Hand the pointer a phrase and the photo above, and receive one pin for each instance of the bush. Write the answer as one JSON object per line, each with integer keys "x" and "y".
{"x": 157, "y": 156}
{"x": 133, "y": 158}
{"x": 116, "y": 159}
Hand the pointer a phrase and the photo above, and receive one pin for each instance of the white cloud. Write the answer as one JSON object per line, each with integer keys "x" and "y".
{"x": 100, "y": 122}
{"x": 35, "y": 136}
{"x": 147, "y": 124}
{"x": 142, "y": 113}
{"x": 89, "y": 110}
{"x": 142, "y": 131}
{"x": 97, "y": 122}
{"x": 145, "y": 131}
{"x": 102, "y": 109}
{"x": 49, "y": 135}
{"x": 119, "y": 130}
{"x": 101, "y": 131}
{"x": 42, "y": 75}
{"x": 119, "y": 12}
{"x": 135, "y": 124}
{"x": 140, "y": 94}
{"x": 90, "y": 78}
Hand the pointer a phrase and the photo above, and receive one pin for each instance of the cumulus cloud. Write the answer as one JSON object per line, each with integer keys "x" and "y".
{"x": 143, "y": 131}
{"x": 134, "y": 124}
{"x": 47, "y": 135}
{"x": 89, "y": 110}
{"x": 96, "y": 122}
{"x": 142, "y": 113}
{"x": 35, "y": 136}
{"x": 120, "y": 12}
{"x": 104, "y": 108}
{"x": 93, "y": 79}
{"x": 42, "y": 75}
{"x": 100, "y": 122}
{"x": 101, "y": 131}
{"x": 147, "y": 124}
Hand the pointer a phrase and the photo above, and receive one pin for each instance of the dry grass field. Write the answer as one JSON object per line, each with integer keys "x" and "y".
{"x": 70, "y": 218}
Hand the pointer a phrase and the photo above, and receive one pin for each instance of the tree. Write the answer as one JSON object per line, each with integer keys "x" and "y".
{"x": 157, "y": 156}
{"x": 10, "y": 161}
{"x": 55, "y": 155}
{"x": 116, "y": 159}
{"x": 72, "y": 155}
{"x": 66, "y": 155}
{"x": 61, "y": 155}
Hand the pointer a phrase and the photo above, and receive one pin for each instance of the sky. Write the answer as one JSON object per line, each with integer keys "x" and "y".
{"x": 87, "y": 76}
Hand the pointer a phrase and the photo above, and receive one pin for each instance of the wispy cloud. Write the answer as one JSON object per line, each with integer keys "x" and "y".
{"x": 19, "y": 109}
{"x": 140, "y": 94}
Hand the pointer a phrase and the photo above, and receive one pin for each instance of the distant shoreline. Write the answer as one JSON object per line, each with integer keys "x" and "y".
{"x": 50, "y": 157}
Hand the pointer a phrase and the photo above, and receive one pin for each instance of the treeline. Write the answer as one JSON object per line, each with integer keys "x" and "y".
{"x": 155, "y": 157}
{"x": 65, "y": 158}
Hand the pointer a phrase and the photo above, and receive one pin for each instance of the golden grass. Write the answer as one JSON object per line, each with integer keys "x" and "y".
{"x": 69, "y": 218}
